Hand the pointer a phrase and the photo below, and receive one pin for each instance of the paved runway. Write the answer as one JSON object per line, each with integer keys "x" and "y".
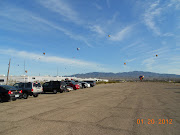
{"x": 136, "y": 108}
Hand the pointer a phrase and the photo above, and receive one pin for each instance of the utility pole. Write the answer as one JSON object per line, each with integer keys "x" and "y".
{"x": 24, "y": 70}
{"x": 8, "y": 71}
{"x": 57, "y": 71}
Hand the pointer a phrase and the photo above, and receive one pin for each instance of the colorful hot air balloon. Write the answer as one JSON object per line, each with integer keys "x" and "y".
{"x": 141, "y": 77}
{"x": 124, "y": 63}
{"x": 44, "y": 53}
{"x": 109, "y": 35}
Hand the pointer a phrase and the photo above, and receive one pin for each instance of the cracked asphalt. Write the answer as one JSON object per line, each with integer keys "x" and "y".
{"x": 106, "y": 109}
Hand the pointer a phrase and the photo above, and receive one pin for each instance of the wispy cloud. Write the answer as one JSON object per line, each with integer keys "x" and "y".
{"x": 130, "y": 45}
{"x": 168, "y": 35}
{"x": 130, "y": 60}
{"x": 97, "y": 29}
{"x": 175, "y": 3}
{"x": 65, "y": 31}
{"x": 108, "y": 3}
{"x": 62, "y": 8}
{"x": 113, "y": 18}
{"x": 149, "y": 62}
{"x": 159, "y": 51}
{"x": 97, "y": 6}
{"x": 34, "y": 22}
{"x": 49, "y": 59}
{"x": 155, "y": 13}
{"x": 149, "y": 17}
{"x": 121, "y": 34}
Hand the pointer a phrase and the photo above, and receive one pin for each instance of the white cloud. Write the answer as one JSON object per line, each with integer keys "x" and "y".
{"x": 113, "y": 18}
{"x": 175, "y": 3}
{"x": 149, "y": 17}
{"x": 25, "y": 20}
{"x": 97, "y": 29}
{"x": 155, "y": 13}
{"x": 130, "y": 60}
{"x": 130, "y": 46}
{"x": 65, "y": 31}
{"x": 121, "y": 34}
{"x": 98, "y": 6}
{"x": 168, "y": 35}
{"x": 149, "y": 62}
{"x": 49, "y": 59}
{"x": 62, "y": 9}
{"x": 159, "y": 51}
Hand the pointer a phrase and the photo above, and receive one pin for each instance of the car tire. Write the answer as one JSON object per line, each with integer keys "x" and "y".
{"x": 13, "y": 99}
{"x": 66, "y": 90}
{"x": 25, "y": 95}
{"x": 54, "y": 91}
{"x": 61, "y": 91}
{"x": 1, "y": 100}
{"x": 35, "y": 95}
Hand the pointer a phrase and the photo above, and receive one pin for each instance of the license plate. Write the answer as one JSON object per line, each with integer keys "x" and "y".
{"x": 16, "y": 95}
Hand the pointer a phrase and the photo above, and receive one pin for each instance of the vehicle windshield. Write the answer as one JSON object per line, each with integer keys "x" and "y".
{"x": 8, "y": 87}
{"x": 36, "y": 85}
{"x": 73, "y": 82}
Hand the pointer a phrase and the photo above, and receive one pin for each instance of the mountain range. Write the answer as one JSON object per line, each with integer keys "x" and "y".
{"x": 128, "y": 75}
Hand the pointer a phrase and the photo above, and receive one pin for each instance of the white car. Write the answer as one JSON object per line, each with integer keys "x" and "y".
{"x": 88, "y": 85}
{"x": 69, "y": 88}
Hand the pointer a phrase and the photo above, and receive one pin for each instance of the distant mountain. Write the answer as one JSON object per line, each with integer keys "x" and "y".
{"x": 128, "y": 75}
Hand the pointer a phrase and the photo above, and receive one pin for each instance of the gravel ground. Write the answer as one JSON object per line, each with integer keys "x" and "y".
{"x": 106, "y": 109}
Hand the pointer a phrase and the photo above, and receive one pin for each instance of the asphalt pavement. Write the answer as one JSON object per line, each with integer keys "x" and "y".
{"x": 131, "y": 108}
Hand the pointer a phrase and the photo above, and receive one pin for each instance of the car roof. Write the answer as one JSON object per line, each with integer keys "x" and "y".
{"x": 8, "y": 87}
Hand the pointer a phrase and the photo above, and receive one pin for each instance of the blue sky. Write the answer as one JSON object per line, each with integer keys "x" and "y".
{"x": 138, "y": 29}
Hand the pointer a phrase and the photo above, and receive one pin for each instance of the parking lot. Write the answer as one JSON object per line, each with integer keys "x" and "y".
{"x": 106, "y": 109}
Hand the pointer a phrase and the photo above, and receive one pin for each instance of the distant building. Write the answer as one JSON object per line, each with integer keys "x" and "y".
{"x": 23, "y": 78}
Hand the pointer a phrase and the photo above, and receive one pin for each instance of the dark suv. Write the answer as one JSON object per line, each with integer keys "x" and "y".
{"x": 29, "y": 89}
{"x": 54, "y": 86}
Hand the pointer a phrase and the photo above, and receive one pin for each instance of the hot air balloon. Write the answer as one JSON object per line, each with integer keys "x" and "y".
{"x": 109, "y": 35}
{"x": 26, "y": 71}
{"x": 141, "y": 77}
{"x": 78, "y": 49}
{"x": 44, "y": 53}
{"x": 124, "y": 63}
{"x": 156, "y": 55}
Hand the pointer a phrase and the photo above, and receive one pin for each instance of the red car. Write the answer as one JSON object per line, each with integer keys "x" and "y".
{"x": 72, "y": 84}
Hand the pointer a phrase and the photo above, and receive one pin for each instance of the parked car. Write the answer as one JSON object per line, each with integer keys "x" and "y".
{"x": 69, "y": 88}
{"x": 9, "y": 93}
{"x": 72, "y": 84}
{"x": 82, "y": 84}
{"x": 85, "y": 85}
{"x": 54, "y": 86}
{"x": 92, "y": 83}
{"x": 29, "y": 89}
{"x": 79, "y": 83}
